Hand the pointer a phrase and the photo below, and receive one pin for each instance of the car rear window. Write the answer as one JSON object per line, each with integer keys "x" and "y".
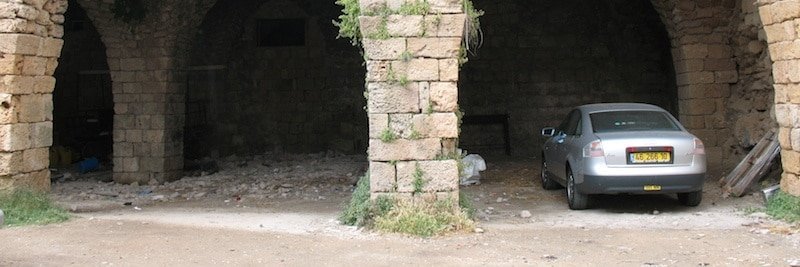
{"x": 624, "y": 121}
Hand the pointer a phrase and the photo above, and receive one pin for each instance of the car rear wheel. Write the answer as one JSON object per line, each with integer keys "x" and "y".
{"x": 691, "y": 199}
{"x": 547, "y": 183}
{"x": 576, "y": 201}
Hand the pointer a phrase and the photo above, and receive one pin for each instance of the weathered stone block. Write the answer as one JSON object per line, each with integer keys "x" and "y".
{"x": 780, "y": 11}
{"x": 35, "y": 107}
{"x": 780, "y": 32}
{"x": 8, "y": 110}
{"x": 404, "y": 25}
{"x": 791, "y": 161}
{"x": 51, "y": 47}
{"x": 389, "y": 49}
{"x": 437, "y": 175}
{"x": 448, "y": 70}
{"x": 370, "y": 25}
{"x": 11, "y": 64}
{"x": 695, "y": 78}
{"x": 790, "y": 183}
{"x": 787, "y": 71}
{"x": 425, "y": 97}
{"x": 795, "y": 139}
{"x": 446, "y": 6}
{"x": 719, "y": 51}
{"x": 10, "y": 163}
{"x": 14, "y": 137}
{"x": 447, "y": 25}
{"x": 377, "y": 71}
{"x": 728, "y": 76}
{"x": 444, "y": 125}
{"x": 122, "y": 149}
{"x": 34, "y": 66}
{"x": 788, "y": 115}
{"x": 41, "y": 134}
{"x": 382, "y": 177}
{"x": 418, "y": 69}
{"x": 444, "y": 96}
{"x": 35, "y": 159}
{"x": 20, "y": 44}
{"x": 392, "y": 98}
{"x": 404, "y": 149}
{"x": 434, "y": 47}
{"x": 785, "y": 50}
{"x": 697, "y": 107}
{"x": 400, "y": 124}
{"x": 693, "y": 51}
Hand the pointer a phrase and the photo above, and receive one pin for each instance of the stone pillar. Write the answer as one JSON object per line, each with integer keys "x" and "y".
{"x": 412, "y": 97}
{"x": 30, "y": 43}
{"x": 147, "y": 61}
{"x": 704, "y": 66}
{"x": 781, "y": 19}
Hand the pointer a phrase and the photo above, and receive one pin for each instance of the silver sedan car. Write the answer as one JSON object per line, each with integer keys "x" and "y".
{"x": 622, "y": 148}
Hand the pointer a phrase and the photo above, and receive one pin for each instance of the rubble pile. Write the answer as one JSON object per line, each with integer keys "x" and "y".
{"x": 269, "y": 176}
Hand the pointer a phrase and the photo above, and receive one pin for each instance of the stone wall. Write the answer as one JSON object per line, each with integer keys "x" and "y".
{"x": 305, "y": 98}
{"x": 542, "y": 58}
{"x": 30, "y": 43}
{"x": 412, "y": 97}
{"x": 781, "y": 19}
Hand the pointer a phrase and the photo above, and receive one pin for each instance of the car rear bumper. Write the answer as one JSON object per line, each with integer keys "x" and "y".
{"x": 682, "y": 183}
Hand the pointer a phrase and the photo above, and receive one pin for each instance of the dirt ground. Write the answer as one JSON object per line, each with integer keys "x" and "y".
{"x": 233, "y": 224}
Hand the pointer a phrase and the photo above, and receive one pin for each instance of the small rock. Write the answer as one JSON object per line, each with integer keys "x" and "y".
{"x": 153, "y": 182}
{"x": 794, "y": 262}
{"x": 159, "y": 198}
{"x": 759, "y": 215}
{"x": 525, "y": 214}
{"x": 479, "y": 230}
{"x": 500, "y": 199}
{"x": 549, "y": 257}
{"x": 656, "y": 212}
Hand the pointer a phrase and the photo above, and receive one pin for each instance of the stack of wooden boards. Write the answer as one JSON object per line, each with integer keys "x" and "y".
{"x": 753, "y": 167}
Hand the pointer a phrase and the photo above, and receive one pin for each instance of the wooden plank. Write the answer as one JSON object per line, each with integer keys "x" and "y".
{"x": 748, "y": 161}
{"x": 757, "y": 170}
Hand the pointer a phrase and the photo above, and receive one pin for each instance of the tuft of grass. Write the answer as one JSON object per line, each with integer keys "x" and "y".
{"x": 424, "y": 218}
{"x": 388, "y": 136}
{"x": 357, "y": 211}
{"x": 466, "y": 204}
{"x": 784, "y": 207}
{"x": 28, "y": 207}
{"x": 348, "y": 21}
{"x": 415, "y": 8}
{"x": 419, "y": 181}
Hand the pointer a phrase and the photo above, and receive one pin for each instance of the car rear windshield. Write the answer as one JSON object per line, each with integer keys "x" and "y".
{"x": 636, "y": 120}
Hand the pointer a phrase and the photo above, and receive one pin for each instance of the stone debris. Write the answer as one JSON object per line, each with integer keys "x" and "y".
{"x": 525, "y": 214}
{"x": 262, "y": 177}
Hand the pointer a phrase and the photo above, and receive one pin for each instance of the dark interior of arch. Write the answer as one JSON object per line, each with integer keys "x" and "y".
{"x": 541, "y": 58}
{"x": 271, "y": 76}
{"x": 83, "y": 108}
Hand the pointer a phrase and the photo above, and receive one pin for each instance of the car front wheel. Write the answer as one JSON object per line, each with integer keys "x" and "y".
{"x": 547, "y": 183}
{"x": 576, "y": 201}
{"x": 691, "y": 199}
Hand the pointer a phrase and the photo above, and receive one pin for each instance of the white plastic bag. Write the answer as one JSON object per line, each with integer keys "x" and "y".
{"x": 473, "y": 164}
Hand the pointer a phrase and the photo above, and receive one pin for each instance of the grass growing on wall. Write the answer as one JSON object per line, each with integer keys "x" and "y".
{"x": 27, "y": 207}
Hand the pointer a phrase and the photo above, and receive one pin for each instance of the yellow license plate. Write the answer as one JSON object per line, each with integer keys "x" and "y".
{"x": 650, "y": 157}
{"x": 652, "y": 188}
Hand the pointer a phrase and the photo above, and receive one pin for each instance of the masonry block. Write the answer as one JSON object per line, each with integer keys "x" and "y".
{"x": 418, "y": 69}
{"x": 434, "y": 47}
{"x": 377, "y": 71}
{"x": 444, "y": 125}
{"x": 382, "y": 177}
{"x": 42, "y": 134}
{"x": 20, "y": 44}
{"x": 791, "y": 161}
{"x": 787, "y": 71}
{"x": 448, "y": 70}
{"x": 389, "y": 49}
{"x": 404, "y": 149}
{"x": 446, "y": 25}
{"x": 400, "y": 124}
{"x": 51, "y": 47}
{"x": 14, "y": 137}
{"x": 392, "y": 98}
{"x": 405, "y": 25}
{"x": 444, "y": 96}
{"x": 425, "y": 97}
{"x": 790, "y": 183}
{"x": 446, "y": 6}
{"x": 436, "y": 175}
{"x": 35, "y": 159}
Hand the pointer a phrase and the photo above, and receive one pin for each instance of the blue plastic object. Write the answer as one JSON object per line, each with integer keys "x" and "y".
{"x": 88, "y": 165}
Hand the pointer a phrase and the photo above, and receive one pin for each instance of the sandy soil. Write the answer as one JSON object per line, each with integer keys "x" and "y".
{"x": 620, "y": 230}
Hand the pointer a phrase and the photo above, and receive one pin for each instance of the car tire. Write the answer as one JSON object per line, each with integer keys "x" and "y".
{"x": 576, "y": 201}
{"x": 547, "y": 183}
{"x": 691, "y": 199}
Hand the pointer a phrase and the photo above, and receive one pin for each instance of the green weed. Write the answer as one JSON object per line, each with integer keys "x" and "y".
{"x": 27, "y": 207}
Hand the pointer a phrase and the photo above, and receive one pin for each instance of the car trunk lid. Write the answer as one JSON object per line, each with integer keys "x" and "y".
{"x": 617, "y": 147}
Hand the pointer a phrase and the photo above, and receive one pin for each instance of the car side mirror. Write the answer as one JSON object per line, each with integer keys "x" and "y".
{"x": 548, "y": 132}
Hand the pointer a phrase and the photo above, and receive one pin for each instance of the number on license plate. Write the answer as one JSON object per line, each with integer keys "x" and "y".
{"x": 652, "y": 188}
{"x": 650, "y": 157}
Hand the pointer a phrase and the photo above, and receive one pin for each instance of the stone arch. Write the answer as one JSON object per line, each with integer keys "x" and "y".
{"x": 781, "y": 19}
{"x": 147, "y": 60}
{"x": 295, "y": 98}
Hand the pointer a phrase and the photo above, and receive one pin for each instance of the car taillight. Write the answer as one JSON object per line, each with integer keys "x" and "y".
{"x": 593, "y": 150}
{"x": 699, "y": 148}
